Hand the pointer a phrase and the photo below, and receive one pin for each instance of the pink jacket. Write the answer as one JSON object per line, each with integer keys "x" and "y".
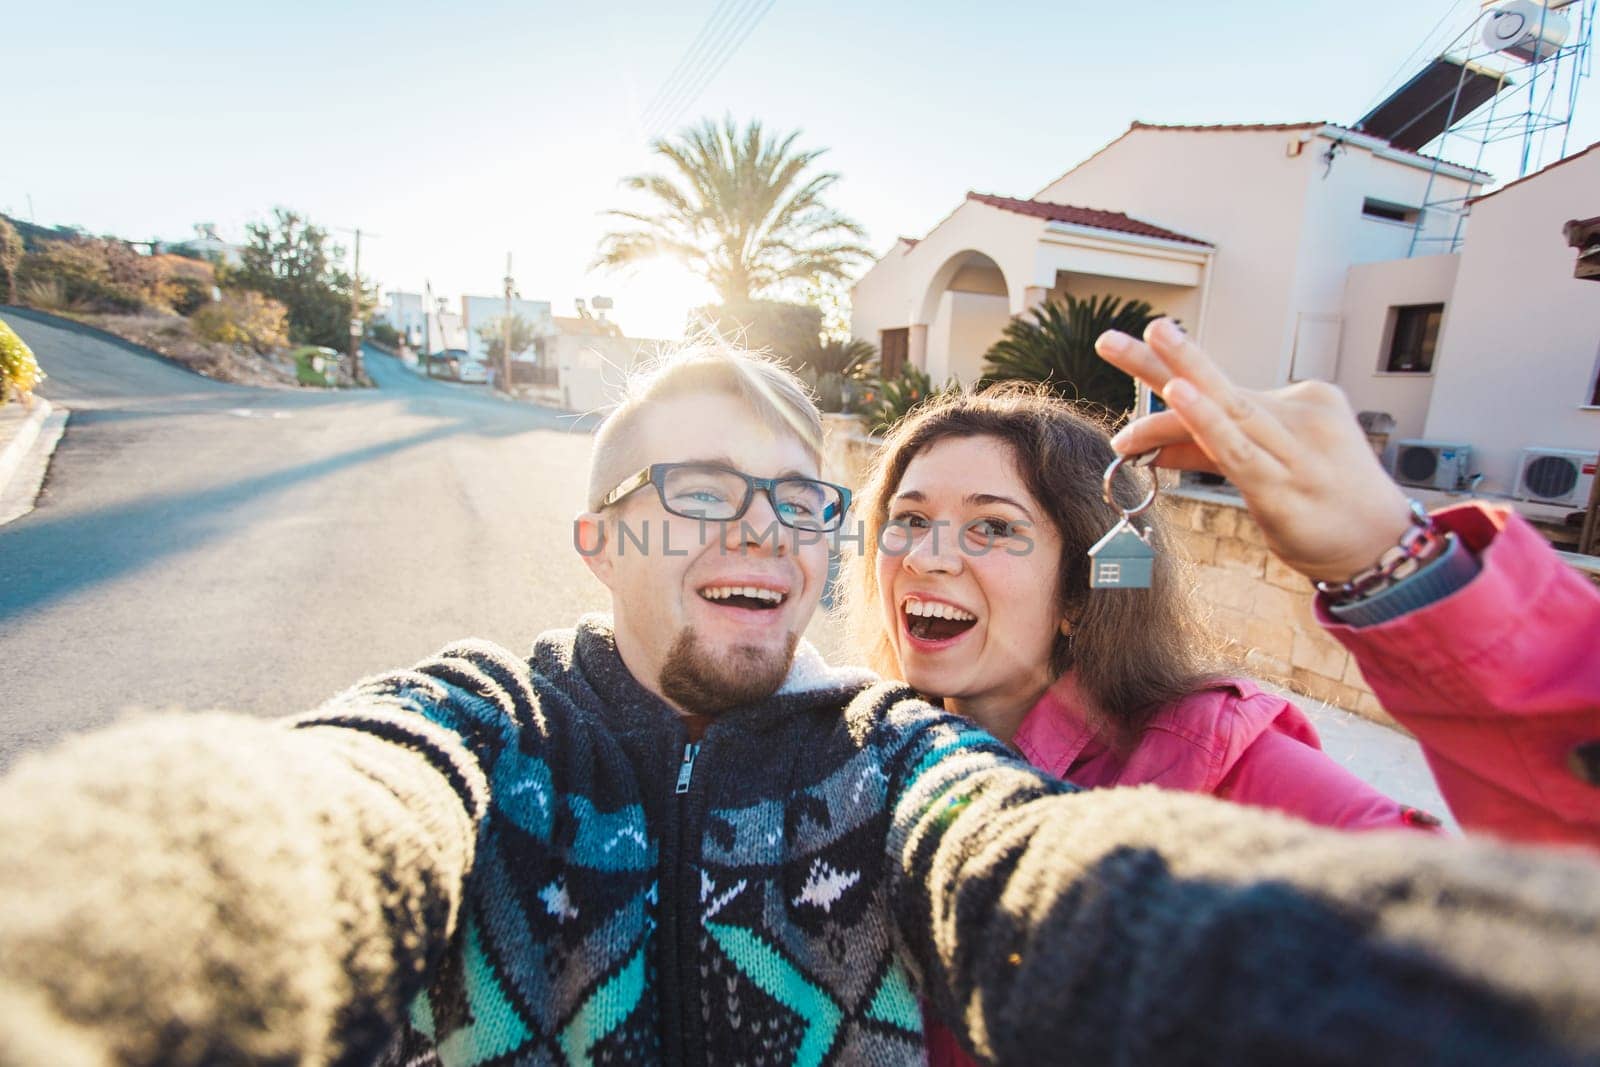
{"x": 1231, "y": 740}
{"x": 1501, "y": 683}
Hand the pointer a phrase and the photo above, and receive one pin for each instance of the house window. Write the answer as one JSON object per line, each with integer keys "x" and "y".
{"x": 1594, "y": 386}
{"x": 1389, "y": 212}
{"x": 893, "y": 348}
{"x": 1411, "y": 342}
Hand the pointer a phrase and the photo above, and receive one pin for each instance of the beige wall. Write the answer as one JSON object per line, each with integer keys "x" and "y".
{"x": 877, "y": 300}
{"x": 1517, "y": 356}
{"x": 591, "y": 370}
{"x": 964, "y": 329}
{"x": 1371, "y": 292}
{"x": 1337, "y": 236}
{"x": 1237, "y": 190}
{"x": 1179, "y": 301}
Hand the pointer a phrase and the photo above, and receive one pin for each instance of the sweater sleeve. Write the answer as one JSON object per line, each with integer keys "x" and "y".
{"x": 1139, "y": 926}
{"x": 191, "y": 889}
{"x": 1500, "y": 683}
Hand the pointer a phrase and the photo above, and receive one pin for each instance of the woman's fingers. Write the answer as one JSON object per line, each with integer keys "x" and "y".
{"x": 1155, "y": 430}
{"x": 1233, "y": 451}
{"x": 1187, "y": 360}
{"x": 1133, "y": 356}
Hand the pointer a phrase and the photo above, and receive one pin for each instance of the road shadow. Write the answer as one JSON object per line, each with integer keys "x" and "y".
{"x": 99, "y": 544}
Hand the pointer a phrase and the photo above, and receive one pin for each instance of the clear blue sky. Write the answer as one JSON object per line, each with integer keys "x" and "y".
{"x": 459, "y": 134}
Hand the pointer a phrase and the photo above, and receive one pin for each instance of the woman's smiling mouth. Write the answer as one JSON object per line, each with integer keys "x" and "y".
{"x": 935, "y": 623}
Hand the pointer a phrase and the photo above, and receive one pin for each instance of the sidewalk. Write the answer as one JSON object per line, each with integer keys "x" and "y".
{"x": 28, "y": 438}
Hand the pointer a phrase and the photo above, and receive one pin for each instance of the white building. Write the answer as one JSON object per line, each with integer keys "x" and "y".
{"x": 407, "y": 313}
{"x": 478, "y": 312}
{"x": 1283, "y": 249}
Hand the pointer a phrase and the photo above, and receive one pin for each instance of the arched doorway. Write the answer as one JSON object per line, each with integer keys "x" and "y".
{"x": 966, "y": 306}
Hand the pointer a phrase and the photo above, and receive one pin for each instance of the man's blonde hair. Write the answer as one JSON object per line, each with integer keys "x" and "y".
{"x": 766, "y": 385}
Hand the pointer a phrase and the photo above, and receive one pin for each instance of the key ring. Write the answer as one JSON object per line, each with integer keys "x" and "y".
{"x": 1143, "y": 459}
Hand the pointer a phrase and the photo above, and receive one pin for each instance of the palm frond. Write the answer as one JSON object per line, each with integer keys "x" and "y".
{"x": 1055, "y": 346}
{"x": 741, "y": 207}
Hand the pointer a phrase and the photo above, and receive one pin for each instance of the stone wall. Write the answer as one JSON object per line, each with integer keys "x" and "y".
{"x": 1260, "y": 607}
{"x": 847, "y": 451}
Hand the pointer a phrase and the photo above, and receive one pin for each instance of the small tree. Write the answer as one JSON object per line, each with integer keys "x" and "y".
{"x": 296, "y": 263}
{"x": 10, "y": 255}
{"x": 1056, "y": 347}
{"x": 493, "y": 334}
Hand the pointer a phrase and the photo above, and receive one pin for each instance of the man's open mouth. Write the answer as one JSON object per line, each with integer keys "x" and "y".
{"x": 931, "y": 620}
{"x": 744, "y": 596}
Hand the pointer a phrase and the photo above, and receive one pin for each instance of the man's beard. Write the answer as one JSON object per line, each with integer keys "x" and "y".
{"x": 703, "y": 683}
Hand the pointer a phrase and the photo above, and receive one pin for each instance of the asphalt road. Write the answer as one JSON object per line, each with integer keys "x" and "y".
{"x": 202, "y": 545}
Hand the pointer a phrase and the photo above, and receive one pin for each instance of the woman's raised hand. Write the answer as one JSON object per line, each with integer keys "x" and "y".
{"x": 1297, "y": 454}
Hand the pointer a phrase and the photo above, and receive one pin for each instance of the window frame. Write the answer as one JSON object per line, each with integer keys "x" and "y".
{"x": 1387, "y": 362}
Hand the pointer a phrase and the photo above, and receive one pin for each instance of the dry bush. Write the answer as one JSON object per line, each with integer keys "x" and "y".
{"x": 244, "y": 317}
{"x": 174, "y": 337}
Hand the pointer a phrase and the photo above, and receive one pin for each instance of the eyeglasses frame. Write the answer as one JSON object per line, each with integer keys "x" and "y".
{"x": 656, "y": 474}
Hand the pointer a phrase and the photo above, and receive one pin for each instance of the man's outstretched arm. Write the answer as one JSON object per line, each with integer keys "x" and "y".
{"x": 191, "y": 889}
{"x": 1136, "y": 926}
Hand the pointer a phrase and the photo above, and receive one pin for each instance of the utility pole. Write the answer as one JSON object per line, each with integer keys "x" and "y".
{"x": 355, "y": 313}
{"x": 505, "y": 334}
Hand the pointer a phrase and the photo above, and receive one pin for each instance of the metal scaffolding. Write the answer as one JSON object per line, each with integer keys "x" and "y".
{"x": 1536, "y": 93}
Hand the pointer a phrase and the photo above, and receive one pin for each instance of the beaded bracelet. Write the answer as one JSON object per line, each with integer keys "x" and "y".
{"x": 1418, "y": 545}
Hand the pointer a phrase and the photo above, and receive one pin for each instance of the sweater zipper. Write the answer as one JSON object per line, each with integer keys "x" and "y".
{"x": 686, "y": 768}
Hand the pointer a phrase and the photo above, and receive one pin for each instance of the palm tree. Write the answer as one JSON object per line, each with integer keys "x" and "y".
{"x": 1056, "y": 347}
{"x": 835, "y": 369}
{"x": 741, "y": 208}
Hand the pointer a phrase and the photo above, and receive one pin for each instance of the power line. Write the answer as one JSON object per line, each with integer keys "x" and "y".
{"x": 710, "y": 52}
{"x": 691, "y": 56}
{"x": 1406, "y": 62}
{"x": 714, "y": 66}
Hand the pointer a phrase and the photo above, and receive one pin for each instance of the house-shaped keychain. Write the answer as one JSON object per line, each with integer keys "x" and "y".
{"x": 1122, "y": 559}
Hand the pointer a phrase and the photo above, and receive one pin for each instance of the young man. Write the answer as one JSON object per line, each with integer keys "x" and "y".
{"x": 670, "y": 836}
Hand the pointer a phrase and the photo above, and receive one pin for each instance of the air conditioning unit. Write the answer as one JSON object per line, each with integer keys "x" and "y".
{"x": 1432, "y": 464}
{"x": 1560, "y": 476}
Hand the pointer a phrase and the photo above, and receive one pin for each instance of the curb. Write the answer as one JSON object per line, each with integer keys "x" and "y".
{"x": 26, "y": 459}
{"x": 11, "y": 455}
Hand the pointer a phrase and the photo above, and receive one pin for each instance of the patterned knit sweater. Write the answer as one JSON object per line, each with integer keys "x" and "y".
{"x": 526, "y": 860}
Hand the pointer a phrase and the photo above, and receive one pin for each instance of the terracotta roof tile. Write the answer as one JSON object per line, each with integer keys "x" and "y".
{"x": 1084, "y": 216}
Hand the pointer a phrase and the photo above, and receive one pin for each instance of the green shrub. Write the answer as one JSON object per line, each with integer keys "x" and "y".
{"x": 885, "y": 401}
{"x": 381, "y": 332}
{"x": 19, "y": 371}
{"x": 1056, "y": 347}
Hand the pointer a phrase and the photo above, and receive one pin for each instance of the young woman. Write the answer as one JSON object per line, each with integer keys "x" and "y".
{"x": 979, "y": 516}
